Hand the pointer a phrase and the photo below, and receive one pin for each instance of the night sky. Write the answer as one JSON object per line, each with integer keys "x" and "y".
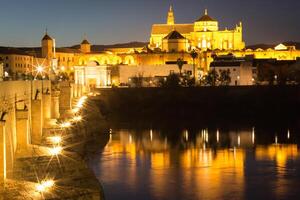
{"x": 23, "y": 22}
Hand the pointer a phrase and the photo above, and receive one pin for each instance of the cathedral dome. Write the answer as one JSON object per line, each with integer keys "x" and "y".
{"x": 206, "y": 18}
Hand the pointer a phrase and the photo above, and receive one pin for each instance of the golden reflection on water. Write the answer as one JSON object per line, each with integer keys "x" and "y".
{"x": 205, "y": 172}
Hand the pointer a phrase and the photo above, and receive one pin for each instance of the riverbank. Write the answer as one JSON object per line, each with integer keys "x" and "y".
{"x": 257, "y": 104}
{"x": 69, "y": 169}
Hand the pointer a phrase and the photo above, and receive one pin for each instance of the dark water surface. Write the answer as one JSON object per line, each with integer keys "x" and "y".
{"x": 158, "y": 164}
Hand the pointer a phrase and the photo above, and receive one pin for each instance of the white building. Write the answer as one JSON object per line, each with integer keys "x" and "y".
{"x": 242, "y": 71}
{"x": 92, "y": 75}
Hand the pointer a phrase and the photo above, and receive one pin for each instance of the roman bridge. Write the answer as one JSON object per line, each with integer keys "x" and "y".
{"x": 27, "y": 110}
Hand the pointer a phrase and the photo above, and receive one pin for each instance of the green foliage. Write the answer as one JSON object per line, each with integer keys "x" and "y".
{"x": 211, "y": 78}
{"x": 280, "y": 74}
{"x": 175, "y": 80}
{"x": 172, "y": 81}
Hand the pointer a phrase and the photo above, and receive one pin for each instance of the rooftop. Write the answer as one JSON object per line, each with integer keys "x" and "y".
{"x": 174, "y": 35}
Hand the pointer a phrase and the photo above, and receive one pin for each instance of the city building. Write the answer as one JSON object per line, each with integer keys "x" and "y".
{"x": 242, "y": 71}
{"x": 168, "y": 43}
{"x": 204, "y": 33}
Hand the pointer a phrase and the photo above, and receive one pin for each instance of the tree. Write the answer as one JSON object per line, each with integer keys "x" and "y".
{"x": 194, "y": 55}
{"x": 225, "y": 78}
{"x": 211, "y": 77}
{"x": 172, "y": 81}
{"x": 180, "y": 64}
{"x": 137, "y": 81}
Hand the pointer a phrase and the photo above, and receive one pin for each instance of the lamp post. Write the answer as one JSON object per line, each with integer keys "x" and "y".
{"x": 40, "y": 69}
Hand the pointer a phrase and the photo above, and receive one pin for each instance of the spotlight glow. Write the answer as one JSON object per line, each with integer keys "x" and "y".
{"x": 55, "y": 150}
{"x": 55, "y": 139}
{"x": 77, "y": 118}
{"x": 40, "y": 69}
{"x": 75, "y": 110}
{"x": 66, "y": 125}
{"x": 44, "y": 186}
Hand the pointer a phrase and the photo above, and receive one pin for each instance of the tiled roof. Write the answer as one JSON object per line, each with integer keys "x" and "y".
{"x": 166, "y": 29}
{"x": 205, "y": 18}
{"x": 11, "y": 50}
{"x": 67, "y": 50}
{"x": 85, "y": 42}
{"x": 174, "y": 35}
{"x": 47, "y": 37}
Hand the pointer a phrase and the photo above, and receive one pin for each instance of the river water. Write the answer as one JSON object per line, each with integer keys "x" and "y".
{"x": 200, "y": 163}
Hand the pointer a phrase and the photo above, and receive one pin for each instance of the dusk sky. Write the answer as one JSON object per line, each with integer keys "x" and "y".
{"x": 23, "y": 22}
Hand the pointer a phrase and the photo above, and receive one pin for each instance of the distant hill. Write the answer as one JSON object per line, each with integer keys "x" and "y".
{"x": 266, "y": 46}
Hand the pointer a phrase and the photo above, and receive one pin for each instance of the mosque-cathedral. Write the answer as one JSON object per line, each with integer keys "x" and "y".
{"x": 168, "y": 42}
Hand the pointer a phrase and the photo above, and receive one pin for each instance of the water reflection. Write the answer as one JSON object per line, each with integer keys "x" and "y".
{"x": 197, "y": 164}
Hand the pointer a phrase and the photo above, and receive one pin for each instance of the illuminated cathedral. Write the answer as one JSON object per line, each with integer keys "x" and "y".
{"x": 168, "y": 42}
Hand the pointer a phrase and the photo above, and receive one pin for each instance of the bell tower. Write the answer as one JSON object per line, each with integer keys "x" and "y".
{"x": 171, "y": 17}
{"x": 47, "y": 46}
{"x": 85, "y": 46}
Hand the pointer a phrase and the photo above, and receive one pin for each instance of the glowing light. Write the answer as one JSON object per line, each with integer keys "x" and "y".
{"x": 239, "y": 140}
{"x": 62, "y": 68}
{"x": 130, "y": 139}
{"x": 44, "y": 186}
{"x": 55, "y": 150}
{"x": 253, "y": 135}
{"x": 81, "y": 101}
{"x": 75, "y": 110}
{"x": 218, "y": 136}
{"x": 40, "y": 69}
{"x": 151, "y": 135}
{"x": 77, "y": 118}
{"x": 40, "y": 188}
{"x": 206, "y": 136}
{"x": 55, "y": 139}
{"x": 186, "y": 135}
{"x": 276, "y": 140}
{"x": 66, "y": 125}
{"x": 288, "y": 134}
{"x": 49, "y": 183}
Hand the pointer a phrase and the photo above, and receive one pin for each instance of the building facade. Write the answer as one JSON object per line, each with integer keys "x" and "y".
{"x": 168, "y": 42}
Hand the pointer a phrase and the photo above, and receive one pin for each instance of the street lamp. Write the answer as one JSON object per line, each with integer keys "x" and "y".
{"x": 40, "y": 69}
{"x": 45, "y": 185}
